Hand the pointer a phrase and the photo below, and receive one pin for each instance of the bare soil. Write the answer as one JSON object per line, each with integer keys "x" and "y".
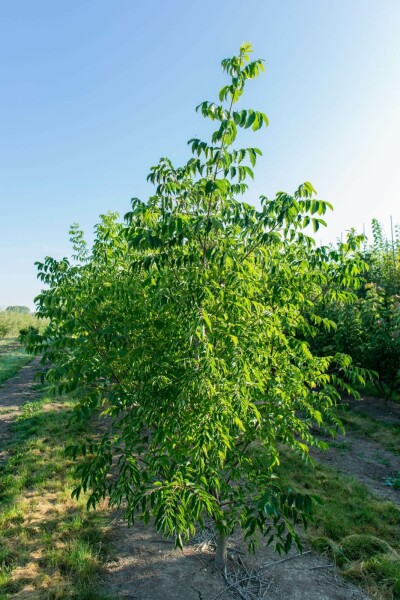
{"x": 365, "y": 459}
{"x": 376, "y": 408}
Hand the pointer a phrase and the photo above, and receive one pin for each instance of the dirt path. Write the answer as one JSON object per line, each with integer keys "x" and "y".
{"x": 363, "y": 458}
{"x": 13, "y": 394}
{"x": 369, "y": 462}
{"x": 376, "y": 408}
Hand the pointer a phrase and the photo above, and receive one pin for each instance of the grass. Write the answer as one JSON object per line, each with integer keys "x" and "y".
{"x": 386, "y": 434}
{"x": 360, "y": 532}
{"x": 50, "y": 546}
{"x": 12, "y": 358}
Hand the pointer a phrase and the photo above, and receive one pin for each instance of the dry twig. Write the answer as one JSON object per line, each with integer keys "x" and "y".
{"x": 277, "y": 562}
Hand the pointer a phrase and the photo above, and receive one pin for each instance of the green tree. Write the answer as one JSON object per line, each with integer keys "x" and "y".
{"x": 23, "y": 310}
{"x": 4, "y": 327}
{"x": 185, "y": 329}
{"x": 368, "y": 329}
{"x": 383, "y": 258}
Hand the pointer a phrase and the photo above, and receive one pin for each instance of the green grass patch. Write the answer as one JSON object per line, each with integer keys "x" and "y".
{"x": 47, "y": 541}
{"x": 360, "y": 532}
{"x": 12, "y": 358}
{"x": 386, "y": 434}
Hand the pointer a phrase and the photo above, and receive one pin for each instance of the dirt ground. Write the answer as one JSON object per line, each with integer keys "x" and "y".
{"x": 376, "y": 408}
{"x": 367, "y": 461}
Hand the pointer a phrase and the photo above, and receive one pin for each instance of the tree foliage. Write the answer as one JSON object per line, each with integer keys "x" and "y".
{"x": 369, "y": 328}
{"x": 186, "y": 329}
{"x": 383, "y": 258}
{"x": 23, "y": 310}
{"x": 4, "y": 328}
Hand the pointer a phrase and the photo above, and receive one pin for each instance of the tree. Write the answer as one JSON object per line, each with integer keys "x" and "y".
{"x": 368, "y": 329}
{"x": 383, "y": 258}
{"x": 4, "y": 327}
{"x": 185, "y": 328}
{"x": 23, "y": 310}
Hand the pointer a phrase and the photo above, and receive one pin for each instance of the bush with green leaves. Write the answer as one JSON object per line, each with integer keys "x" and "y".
{"x": 383, "y": 258}
{"x": 369, "y": 328}
{"x": 185, "y": 330}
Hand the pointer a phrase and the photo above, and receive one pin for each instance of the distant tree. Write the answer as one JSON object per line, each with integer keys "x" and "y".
{"x": 4, "y": 327}
{"x": 186, "y": 329}
{"x": 22, "y": 310}
{"x": 383, "y": 258}
{"x": 368, "y": 329}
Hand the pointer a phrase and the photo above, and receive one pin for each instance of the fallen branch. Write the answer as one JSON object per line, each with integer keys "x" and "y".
{"x": 276, "y": 562}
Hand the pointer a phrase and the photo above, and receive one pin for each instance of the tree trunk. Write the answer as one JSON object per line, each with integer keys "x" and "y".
{"x": 221, "y": 551}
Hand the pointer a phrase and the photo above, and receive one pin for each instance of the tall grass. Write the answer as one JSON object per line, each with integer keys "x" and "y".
{"x": 12, "y": 358}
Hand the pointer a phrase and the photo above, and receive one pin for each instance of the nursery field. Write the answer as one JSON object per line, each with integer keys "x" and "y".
{"x": 51, "y": 547}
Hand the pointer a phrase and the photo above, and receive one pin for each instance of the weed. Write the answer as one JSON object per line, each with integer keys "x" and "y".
{"x": 370, "y": 389}
{"x": 363, "y": 546}
{"x": 342, "y": 446}
{"x": 393, "y": 481}
{"x": 382, "y": 460}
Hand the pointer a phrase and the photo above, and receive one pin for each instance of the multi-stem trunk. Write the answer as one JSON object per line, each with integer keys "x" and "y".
{"x": 221, "y": 553}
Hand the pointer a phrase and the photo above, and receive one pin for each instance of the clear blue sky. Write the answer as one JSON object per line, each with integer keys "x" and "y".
{"x": 93, "y": 92}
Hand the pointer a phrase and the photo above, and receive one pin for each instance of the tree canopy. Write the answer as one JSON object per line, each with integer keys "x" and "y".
{"x": 369, "y": 328}
{"x": 23, "y": 310}
{"x": 185, "y": 329}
